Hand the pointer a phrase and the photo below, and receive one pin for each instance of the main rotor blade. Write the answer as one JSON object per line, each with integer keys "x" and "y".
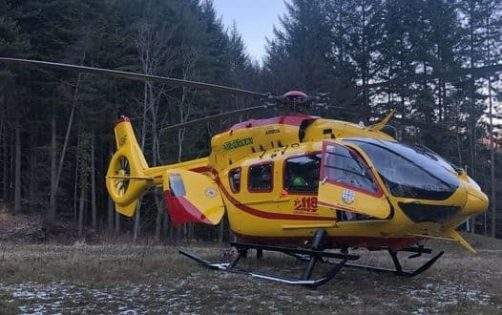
{"x": 216, "y": 116}
{"x": 239, "y": 111}
{"x": 138, "y": 76}
{"x": 447, "y": 76}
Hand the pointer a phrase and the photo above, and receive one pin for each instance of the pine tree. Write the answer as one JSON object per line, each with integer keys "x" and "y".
{"x": 298, "y": 56}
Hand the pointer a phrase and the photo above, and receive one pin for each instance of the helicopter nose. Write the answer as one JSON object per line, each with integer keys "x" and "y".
{"x": 477, "y": 202}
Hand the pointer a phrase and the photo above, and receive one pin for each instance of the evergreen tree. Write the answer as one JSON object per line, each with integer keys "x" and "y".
{"x": 298, "y": 55}
{"x": 338, "y": 48}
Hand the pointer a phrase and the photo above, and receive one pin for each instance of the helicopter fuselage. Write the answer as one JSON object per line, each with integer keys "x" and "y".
{"x": 273, "y": 210}
{"x": 279, "y": 180}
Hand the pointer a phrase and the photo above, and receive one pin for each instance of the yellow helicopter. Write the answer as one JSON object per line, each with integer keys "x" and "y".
{"x": 300, "y": 185}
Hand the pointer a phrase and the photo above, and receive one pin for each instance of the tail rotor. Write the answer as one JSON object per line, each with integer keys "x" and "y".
{"x": 126, "y": 180}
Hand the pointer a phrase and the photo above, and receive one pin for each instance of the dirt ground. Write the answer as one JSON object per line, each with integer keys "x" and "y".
{"x": 50, "y": 279}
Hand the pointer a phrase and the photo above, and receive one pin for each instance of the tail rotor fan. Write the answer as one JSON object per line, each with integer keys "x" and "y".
{"x": 123, "y": 174}
{"x": 126, "y": 180}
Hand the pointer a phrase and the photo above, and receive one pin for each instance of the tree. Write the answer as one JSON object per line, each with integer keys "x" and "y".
{"x": 298, "y": 55}
{"x": 372, "y": 41}
{"x": 55, "y": 127}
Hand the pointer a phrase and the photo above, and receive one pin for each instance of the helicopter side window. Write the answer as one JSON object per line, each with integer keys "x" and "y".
{"x": 260, "y": 177}
{"x": 301, "y": 173}
{"x": 234, "y": 177}
{"x": 176, "y": 185}
{"x": 345, "y": 167}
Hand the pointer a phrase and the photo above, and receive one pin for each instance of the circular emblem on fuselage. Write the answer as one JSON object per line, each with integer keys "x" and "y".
{"x": 348, "y": 196}
{"x": 210, "y": 192}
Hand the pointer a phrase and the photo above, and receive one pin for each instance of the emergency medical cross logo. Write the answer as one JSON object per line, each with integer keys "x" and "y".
{"x": 348, "y": 196}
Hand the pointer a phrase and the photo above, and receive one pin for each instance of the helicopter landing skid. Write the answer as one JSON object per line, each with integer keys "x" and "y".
{"x": 311, "y": 256}
{"x": 398, "y": 269}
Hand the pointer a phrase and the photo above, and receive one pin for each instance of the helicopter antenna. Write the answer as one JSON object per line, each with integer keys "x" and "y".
{"x": 381, "y": 124}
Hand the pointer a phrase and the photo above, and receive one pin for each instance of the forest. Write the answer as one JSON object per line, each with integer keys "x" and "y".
{"x": 56, "y": 127}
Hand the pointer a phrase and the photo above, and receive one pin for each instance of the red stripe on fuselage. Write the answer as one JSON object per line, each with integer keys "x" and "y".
{"x": 202, "y": 169}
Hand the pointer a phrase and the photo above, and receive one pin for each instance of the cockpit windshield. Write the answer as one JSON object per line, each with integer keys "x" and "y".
{"x": 410, "y": 172}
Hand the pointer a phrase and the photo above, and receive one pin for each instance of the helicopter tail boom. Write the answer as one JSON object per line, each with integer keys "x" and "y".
{"x": 189, "y": 195}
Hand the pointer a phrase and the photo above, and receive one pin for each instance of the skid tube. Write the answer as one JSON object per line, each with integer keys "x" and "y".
{"x": 311, "y": 257}
{"x": 398, "y": 269}
{"x": 304, "y": 280}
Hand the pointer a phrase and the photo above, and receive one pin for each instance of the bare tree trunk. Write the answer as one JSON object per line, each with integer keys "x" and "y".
{"x": 110, "y": 204}
{"x": 153, "y": 47}
{"x": 2, "y": 118}
{"x": 5, "y": 175}
{"x": 155, "y": 155}
{"x": 12, "y": 163}
{"x": 137, "y": 224}
{"x": 2, "y": 139}
{"x": 51, "y": 215}
{"x": 180, "y": 232}
{"x": 172, "y": 231}
{"x": 110, "y": 209}
{"x": 93, "y": 183}
{"x": 181, "y": 134}
{"x": 56, "y": 174}
{"x": 137, "y": 216}
{"x": 81, "y": 209}
{"x": 75, "y": 193}
{"x": 158, "y": 218}
{"x": 493, "y": 196}
{"x": 17, "y": 171}
{"x": 117, "y": 222}
{"x": 32, "y": 185}
{"x": 472, "y": 88}
{"x": 474, "y": 170}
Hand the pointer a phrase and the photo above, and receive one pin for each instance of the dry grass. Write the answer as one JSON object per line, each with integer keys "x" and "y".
{"x": 117, "y": 278}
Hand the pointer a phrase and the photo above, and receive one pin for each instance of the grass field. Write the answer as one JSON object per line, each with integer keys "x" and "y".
{"x": 155, "y": 279}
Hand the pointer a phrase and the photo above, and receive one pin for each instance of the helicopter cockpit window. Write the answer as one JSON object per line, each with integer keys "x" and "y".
{"x": 301, "y": 173}
{"x": 260, "y": 177}
{"x": 344, "y": 167}
{"x": 234, "y": 176}
{"x": 409, "y": 171}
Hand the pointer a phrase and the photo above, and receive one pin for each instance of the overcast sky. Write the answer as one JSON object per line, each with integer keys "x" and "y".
{"x": 255, "y": 20}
